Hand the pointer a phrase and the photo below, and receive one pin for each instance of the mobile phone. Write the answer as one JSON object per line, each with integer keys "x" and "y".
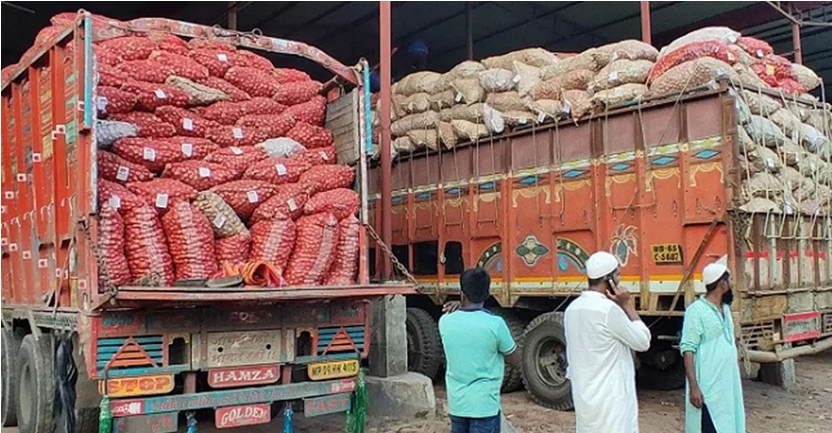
{"x": 610, "y": 285}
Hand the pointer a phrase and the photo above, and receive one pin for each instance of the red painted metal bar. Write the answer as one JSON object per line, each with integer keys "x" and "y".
{"x": 646, "y": 31}
{"x": 798, "y": 50}
{"x": 386, "y": 157}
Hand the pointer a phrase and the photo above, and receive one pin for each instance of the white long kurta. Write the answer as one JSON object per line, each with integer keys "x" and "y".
{"x": 599, "y": 341}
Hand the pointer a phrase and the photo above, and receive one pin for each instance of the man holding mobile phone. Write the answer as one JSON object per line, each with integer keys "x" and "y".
{"x": 602, "y": 329}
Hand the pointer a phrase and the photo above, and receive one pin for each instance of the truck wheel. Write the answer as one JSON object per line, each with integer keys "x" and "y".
{"x": 424, "y": 347}
{"x": 36, "y": 394}
{"x": 662, "y": 370}
{"x": 544, "y": 362}
{"x": 513, "y": 376}
{"x": 11, "y": 347}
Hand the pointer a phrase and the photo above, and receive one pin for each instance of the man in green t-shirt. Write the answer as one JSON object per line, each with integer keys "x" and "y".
{"x": 476, "y": 343}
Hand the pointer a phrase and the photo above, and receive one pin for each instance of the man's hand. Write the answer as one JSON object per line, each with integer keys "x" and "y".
{"x": 696, "y": 397}
{"x": 621, "y": 297}
{"x": 450, "y": 307}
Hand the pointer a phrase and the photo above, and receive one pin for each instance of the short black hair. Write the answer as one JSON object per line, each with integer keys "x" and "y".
{"x": 711, "y": 287}
{"x": 476, "y": 284}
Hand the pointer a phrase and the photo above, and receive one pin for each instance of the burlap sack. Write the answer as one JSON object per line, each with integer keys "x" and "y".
{"x": 471, "y": 113}
{"x": 466, "y": 130}
{"x": 466, "y": 69}
{"x": 800, "y": 185}
{"x": 763, "y": 185}
{"x": 417, "y": 103}
{"x": 425, "y": 120}
{"x": 493, "y": 119}
{"x": 748, "y": 79}
{"x": 417, "y": 82}
{"x": 790, "y": 153}
{"x": 722, "y": 34}
{"x": 515, "y": 118}
{"x": 760, "y": 205}
{"x": 760, "y": 104}
{"x": 441, "y": 100}
{"x": 403, "y": 145}
{"x": 619, "y": 95}
{"x": 764, "y": 131}
{"x": 526, "y": 77}
{"x": 764, "y": 158}
{"x": 576, "y": 79}
{"x": 547, "y": 108}
{"x": 497, "y": 80}
{"x": 444, "y": 133}
{"x": 788, "y": 123}
{"x": 812, "y": 139}
{"x": 692, "y": 74}
{"x": 621, "y": 72}
{"x": 467, "y": 91}
{"x": 585, "y": 60}
{"x": 805, "y": 76}
{"x": 813, "y": 167}
{"x": 577, "y": 102}
{"x": 537, "y": 57}
{"x": 817, "y": 119}
{"x": 547, "y": 89}
{"x": 507, "y": 101}
{"x": 200, "y": 94}
{"x": 630, "y": 49}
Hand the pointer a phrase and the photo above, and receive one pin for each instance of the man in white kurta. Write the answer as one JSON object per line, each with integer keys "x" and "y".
{"x": 602, "y": 329}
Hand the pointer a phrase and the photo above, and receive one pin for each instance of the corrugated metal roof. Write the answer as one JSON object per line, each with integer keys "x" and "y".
{"x": 349, "y": 30}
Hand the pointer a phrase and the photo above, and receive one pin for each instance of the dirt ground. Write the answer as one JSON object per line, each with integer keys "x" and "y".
{"x": 806, "y": 409}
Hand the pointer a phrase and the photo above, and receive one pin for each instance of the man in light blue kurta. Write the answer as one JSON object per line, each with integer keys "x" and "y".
{"x": 714, "y": 401}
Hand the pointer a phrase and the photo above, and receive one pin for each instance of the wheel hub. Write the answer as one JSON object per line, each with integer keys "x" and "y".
{"x": 551, "y": 362}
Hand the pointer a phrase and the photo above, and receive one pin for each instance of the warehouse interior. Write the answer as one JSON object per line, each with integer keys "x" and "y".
{"x": 454, "y": 31}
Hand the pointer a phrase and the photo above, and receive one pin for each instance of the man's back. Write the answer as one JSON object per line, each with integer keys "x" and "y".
{"x": 599, "y": 338}
{"x": 475, "y": 343}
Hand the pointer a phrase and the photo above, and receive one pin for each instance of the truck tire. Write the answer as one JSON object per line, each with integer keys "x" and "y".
{"x": 513, "y": 376}
{"x": 668, "y": 379}
{"x": 36, "y": 394}
{"x": 544, "y": 362}
{"x": 10, "y": 348}
{"x": 424, "y": 347}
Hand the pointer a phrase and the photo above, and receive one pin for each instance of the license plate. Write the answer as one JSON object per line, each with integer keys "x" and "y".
{"x": 333, "y": 370}
{"x": 238, "y": 416}
{"x": 243, "y": 376}
{"x": 801, "y": 326}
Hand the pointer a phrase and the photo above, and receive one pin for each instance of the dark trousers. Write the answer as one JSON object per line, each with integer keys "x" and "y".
{"x": 707, "y": 423}
{"x": 475, "y": 425}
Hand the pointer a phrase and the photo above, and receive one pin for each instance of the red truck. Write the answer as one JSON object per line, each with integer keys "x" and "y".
{"x": 157, "y": 353}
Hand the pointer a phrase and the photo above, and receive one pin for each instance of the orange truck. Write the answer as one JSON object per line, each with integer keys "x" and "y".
{"x": 157, "y": 353}
{"x": 656, "y": 184}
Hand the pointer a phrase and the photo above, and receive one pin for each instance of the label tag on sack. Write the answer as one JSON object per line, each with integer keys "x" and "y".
{"x": 281, "y": 169}
{"x": 114, "y": 202}
{"x": 252, "y": 197}
{"x": 770, "y": 69}
{"x": 222, "y": 57}
{"x": 187, "y": 124}
{"x": 324, "y": 156}
{"x": 204, "y": 172}
{"x": 218, "y": 221}
{"x": 613, "y": 76}
{"x": 567, "y": 107}
{"x": 458, "y": 97}
{"x": 236, "y": 150}
{"x": 522, "y": 121}
{"x": 732, "y": 39}
{"x": 188, "y": 149}
{"x": 162, "y": 201}
{"x": 160, "y": 94}
{"x": 516, "y": 78}
{"x": 541, "y": 117}
{"x": 122, "y": 173}
{"x": 769, "y": 163}
{"x": 795, "y": 136}
{"x": 149, "y": 154}
{"x": 101, "y": 103}
{"x": 292, "y": 205}
{"x": 238, "y": 132}
{"x": 760, "y": 53}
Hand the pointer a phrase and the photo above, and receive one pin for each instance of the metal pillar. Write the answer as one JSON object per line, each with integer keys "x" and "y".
{"x": 469, "y": 31}
{"x": 386, "y": 157}
{"x": 232, "y": 15}
{"x": 646, "y": 32}
{"x": 798, "y": 50}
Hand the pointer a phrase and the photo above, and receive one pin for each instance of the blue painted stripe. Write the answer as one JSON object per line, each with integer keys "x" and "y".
{"x": 156, "y": 356}
{"x": 142, "y": 371}
{"x": 325, "y": 358}
{"x": 121, "y": 341}
{"x": 327, "y": 340}
{"x": 349, "y": 329}
{"x": 113, "y": 349}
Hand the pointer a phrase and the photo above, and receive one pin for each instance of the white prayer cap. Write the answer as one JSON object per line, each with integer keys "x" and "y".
{"x": 713, "y": 272}
{"x": 600, "y": 264}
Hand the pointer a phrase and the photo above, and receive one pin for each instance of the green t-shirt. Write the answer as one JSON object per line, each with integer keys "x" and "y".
{"x": 475, "y": 345}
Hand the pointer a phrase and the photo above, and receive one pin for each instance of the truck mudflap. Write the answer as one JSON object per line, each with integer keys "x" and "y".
{"x": 122, "y": 408}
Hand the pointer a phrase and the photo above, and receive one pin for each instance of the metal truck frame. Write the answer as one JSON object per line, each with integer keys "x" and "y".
{"x": 158, "y": 353}
{"x": 656, "y": 183}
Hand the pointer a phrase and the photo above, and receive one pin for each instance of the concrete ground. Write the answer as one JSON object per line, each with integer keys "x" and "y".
{"x": 806, "y": 409}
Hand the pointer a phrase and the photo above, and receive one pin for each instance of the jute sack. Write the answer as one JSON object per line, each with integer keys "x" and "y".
{"x": 619, "y": 95}
{"x": 692, "y": 74}
{"x": 425, "y": 120}
{"x": 537, "y": 57}
{"x": 621, "y": 72}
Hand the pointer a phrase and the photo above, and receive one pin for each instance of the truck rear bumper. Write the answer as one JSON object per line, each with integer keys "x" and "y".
{"x": 811, "y": 349}
{"x": 217, "y": 399}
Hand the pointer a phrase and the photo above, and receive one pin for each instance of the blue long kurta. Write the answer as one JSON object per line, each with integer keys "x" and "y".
{"x": 710, "y": 337}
